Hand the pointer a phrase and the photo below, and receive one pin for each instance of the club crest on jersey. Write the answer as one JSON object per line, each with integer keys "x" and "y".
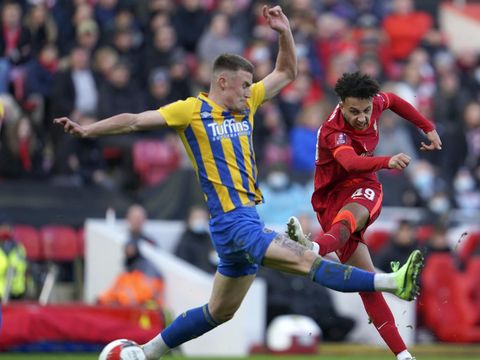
{"x": 229, "y": 128}
{"x": 341, "y": 139}
{"x": 205, "y": 115}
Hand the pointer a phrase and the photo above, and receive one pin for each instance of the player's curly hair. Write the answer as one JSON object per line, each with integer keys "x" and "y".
{"x": 356, "y": 85}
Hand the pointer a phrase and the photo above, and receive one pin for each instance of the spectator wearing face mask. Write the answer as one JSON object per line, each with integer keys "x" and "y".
{"x": 467, "y": 194}
{"x": 195, "y": 245}
{"x": 283, "y": 197}
{"x": 426, "y": 181}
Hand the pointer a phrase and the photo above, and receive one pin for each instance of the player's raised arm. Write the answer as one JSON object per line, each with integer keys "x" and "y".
{"x": 118, "y": 124}
{"x": 408, "y": 112}
{"x": 286, "y": 64}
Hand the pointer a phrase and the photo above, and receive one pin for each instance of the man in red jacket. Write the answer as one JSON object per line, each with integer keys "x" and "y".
{"x": 348, "y": 196}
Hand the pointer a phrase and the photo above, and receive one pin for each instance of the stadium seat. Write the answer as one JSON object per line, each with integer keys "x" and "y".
{"x": 110, "y": 153}
{"x": 59, "y": 243}
{"x": 445, "y": 301}
{"x": 423, "y": 233}
{"x": 154, "y": 160}
{"x": 377, "y": 239}
{"x": 473, "y": 276}
{"x": 470, "y": 246}
{"x": 29, "y": 236}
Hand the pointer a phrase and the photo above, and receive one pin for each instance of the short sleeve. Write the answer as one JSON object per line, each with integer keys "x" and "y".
{"x": 178, "y": 115}
{"x": 257, "y": 95}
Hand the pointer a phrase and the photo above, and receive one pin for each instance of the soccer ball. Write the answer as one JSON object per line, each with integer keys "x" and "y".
{"x": 122, "y": 349}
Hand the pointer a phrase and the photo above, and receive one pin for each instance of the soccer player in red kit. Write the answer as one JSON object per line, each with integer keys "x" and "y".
{"x": 348, "y": 196}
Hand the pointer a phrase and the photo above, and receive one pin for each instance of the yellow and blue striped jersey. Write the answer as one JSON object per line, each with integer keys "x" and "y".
{"x": 219, "y": 144}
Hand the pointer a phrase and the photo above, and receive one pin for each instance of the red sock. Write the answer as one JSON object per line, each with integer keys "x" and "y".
{"x": 334, "y": 239}
{"x": 382, "y": 318}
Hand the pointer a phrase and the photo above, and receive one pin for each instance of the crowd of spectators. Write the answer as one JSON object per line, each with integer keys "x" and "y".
{"x": 91, "y": 59}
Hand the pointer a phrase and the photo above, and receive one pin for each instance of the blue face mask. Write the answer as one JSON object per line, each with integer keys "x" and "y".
{"x": 464, "y": 183}
{"x": 278, "y": 180}
{"x": 199, "y": 226}
{"x": 439, "y": 205}
{"x": 423, "y": 182}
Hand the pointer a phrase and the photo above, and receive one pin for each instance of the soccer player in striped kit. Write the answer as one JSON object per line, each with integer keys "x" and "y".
{"x": 216, "y": 130}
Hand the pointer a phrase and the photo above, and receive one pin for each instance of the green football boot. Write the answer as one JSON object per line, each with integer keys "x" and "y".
{"x": 407, "y": 276}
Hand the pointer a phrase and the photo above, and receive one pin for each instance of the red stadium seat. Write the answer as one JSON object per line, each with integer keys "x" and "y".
{"x": 444, "y": 304}
{"x": 473, "y": 276}
{"x": 470, "y": 246}
{"x": 377, "y": 239}
{"x": 112, "y": 153}
{"x": 29, "y": 236}
{"x": 423, "y": 233}
{"x": 154, "y": 160}
{"x": 59, "y": 242}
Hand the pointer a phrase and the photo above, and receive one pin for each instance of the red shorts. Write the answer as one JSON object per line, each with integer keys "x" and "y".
{"x": 368, "y": 194}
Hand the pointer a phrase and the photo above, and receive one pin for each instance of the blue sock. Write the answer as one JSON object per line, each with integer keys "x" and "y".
{"x": 187, "y": 326}
{"x": 341, "y": 277}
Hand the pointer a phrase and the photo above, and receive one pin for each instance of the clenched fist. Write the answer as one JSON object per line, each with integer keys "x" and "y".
{"x": 399, "y": 161}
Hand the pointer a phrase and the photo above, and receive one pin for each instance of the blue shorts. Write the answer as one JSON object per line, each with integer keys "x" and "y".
{"x": 241, "y": 241}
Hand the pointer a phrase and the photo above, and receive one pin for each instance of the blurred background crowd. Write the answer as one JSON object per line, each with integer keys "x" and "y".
{"x": 91, "y": 59}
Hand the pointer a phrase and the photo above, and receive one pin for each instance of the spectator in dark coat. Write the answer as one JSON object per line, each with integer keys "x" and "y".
{"x": 190, "y": 12}
{"x": 136, "y": 217}
{"x": 14, "y": 37}
{"x": 160, "y": 53}
{"x": 75, "y": 91}
{"x": 195, "y": 245}
{"x": 400, "y": 246}
{"x": 15, "y": 46}
{"x": 41, "y": 27}
{"x": 120, "y": 94}
{"x": 21, "y": 151}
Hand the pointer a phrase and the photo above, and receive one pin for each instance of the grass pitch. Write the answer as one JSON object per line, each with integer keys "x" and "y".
{"x": 327, "y": 352}
{"x": 262, "y": 357}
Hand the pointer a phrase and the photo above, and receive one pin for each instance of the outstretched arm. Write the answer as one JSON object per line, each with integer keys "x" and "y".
{"x": 118, "y": 124}
{"x": 408, "y": 112}
{"x": 350, "y": 161}
{"x": 286, "y": 64}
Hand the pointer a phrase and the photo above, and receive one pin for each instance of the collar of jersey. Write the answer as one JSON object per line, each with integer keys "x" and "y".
{"x": 214, "y": 105}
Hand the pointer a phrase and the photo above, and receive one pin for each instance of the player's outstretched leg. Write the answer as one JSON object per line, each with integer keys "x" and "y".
{"x": 405, "y": 277}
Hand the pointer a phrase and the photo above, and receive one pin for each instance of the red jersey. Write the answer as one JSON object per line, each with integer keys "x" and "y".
{"x": 338, "y": 142}
{"x": 335, "y": 133}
